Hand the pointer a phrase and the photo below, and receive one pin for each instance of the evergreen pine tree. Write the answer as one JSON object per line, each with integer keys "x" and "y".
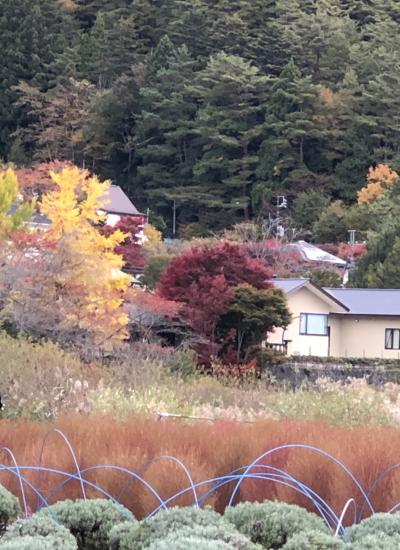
{"x": 289, "y": 128}
{"x": 165, "y": 127}
{"x": 319, "y": 42}
{"x": 29, "y": 40}
{"x": 109, "y": 131}
{"x": 229, "y": 125}
{"x": 189, "y": 25}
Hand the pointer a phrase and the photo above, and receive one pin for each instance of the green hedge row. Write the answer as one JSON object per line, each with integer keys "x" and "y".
{"x": 99, "y": 524}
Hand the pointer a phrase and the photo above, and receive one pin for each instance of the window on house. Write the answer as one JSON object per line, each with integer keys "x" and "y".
{"x": 392, "y": 338}
{"x": 314, "y": 324}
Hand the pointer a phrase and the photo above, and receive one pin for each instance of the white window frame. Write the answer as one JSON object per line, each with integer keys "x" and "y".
{"x": 304, "y": 323}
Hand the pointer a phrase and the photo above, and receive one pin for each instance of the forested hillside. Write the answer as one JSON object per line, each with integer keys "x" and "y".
{"x": 218, "y": 105}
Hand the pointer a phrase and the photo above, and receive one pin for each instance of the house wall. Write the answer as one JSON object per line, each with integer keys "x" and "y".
{"x": 362, "y": 336}
{"x": 303, "y": 301}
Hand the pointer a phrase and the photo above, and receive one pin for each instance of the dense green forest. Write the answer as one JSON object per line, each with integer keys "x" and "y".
{"x": 216, "y": 106}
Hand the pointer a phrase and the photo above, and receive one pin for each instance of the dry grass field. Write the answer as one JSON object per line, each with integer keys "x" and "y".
{"x": 208, "y": 450}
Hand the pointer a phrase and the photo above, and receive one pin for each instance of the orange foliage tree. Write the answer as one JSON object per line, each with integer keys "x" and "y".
{"x": 380, "y": 178}
{"x": 37, "y": 180}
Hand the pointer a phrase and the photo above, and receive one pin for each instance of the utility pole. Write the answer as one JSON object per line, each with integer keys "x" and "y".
{"x": 349, "y": 265}
{"x": 281, "y": 202}
{"x": 352, "y": 242}
{"x": 174, "y": 219}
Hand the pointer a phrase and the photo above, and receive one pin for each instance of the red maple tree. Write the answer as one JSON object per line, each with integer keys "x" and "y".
{"x": 202, "y": 279}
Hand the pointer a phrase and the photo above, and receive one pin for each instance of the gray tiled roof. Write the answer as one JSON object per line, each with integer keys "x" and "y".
{"x": 117, "y": 202}
{"x": 288, "y": 285}
{"x": 368, "y": 301}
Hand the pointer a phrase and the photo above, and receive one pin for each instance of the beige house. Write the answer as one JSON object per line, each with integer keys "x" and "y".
{"x": 339, "y": 322}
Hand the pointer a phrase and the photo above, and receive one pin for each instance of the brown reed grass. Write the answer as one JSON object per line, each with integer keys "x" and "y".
{"x": 208, "y": 450}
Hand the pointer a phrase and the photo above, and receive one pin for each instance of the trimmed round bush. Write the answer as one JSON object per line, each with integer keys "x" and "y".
{"x": 90, "y": 521}
{"x": 125, "y": 536}
{"x": 41, "y": 526}
{"x": 9, "y": 508}
{"x": 377, "y": 541}
{"x": 225, "y": 533}
{"x": 174, "y": 541}
{"x": 31, "y": 543}
{"x": 122, "y": 534}
{"x": 159, "y": 527}
{"x": 314, "y": 540}
{"x": 378, "y": 523}
{"x": 271, "y": 524}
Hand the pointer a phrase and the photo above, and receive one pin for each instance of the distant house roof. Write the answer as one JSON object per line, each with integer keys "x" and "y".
{"x": 39, "y": 219}
{"x": 312, "y": 253}
{"x": 119, "y": 203}
{"x": 291, "y": 285}
{"x": 354, "y": 301}
{"x": 368, "y": 301}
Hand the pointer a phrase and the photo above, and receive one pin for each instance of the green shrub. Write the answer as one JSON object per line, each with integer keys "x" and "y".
{"x": 378, "y": 541}
{"x": 271, "y": 524}
{"x": 89, "y": 521}
{"x": 122, "y": 534}
{"x": 9, "y": 508}
{"x": 31, "y": 543}
{"x": 174, "y": 520}
{"x": 126, "y": 536}
{"x": 314, "y": 540}
{"x": 378, "y": 523}
{"x": 174, "y": 541}
{"x": 225, "y": 533}
{"x": 155, "y": 267}
{"x": 38, "y": 525}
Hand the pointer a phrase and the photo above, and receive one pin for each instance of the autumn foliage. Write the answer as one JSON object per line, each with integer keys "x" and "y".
{"x": 380, "y": 178}
{"x": 148, "y": 311}
{"x": 13, "y": 213}
{"x": 208, "y": 451}
{"x": 203, "y": 279}
{"x": 36, "y": 180}
{"x": 200, "y": 265}
{"x": 67, "y": 284}
{"x": 129, "y": 248}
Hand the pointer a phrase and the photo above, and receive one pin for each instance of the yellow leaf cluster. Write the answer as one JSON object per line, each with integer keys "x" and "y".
{"x": 379, "y": 179}
{"x": 9, "y": 197}
{"x": 152, "y": 239}
{"x": 91, "y": 270}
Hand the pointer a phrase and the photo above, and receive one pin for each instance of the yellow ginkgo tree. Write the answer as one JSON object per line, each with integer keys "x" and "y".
{"x": 89, "y": 281}
{"x": 65, "y": 283}
{"x": 13, "y": 212}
